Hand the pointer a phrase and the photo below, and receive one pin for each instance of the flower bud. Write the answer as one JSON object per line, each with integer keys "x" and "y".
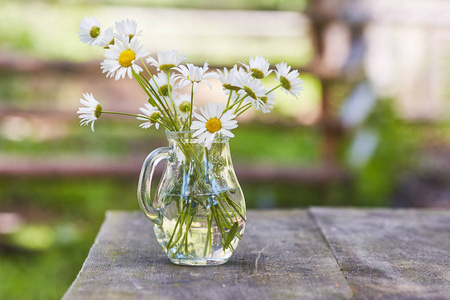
{"x": 95, "y": 32}
{"x": 155, "y": 117}
{"x": 164, "y": 90}
{"x": 98, "y": 111}
{"x": 185, "y": 107}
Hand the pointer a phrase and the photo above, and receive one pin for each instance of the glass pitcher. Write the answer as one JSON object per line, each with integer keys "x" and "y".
{"x": 198, "y": 210}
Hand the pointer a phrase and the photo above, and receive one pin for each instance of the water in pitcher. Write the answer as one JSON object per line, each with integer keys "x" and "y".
{"x": 202, "y": 229}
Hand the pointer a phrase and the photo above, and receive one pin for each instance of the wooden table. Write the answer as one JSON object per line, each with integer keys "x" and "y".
{"x": 319, "y": 253}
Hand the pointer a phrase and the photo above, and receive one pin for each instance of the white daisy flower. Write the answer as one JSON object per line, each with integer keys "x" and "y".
{"x": 167, "y": 60}
{"x": 258, "y": 67}
{"x": 89, "y": 30}
{"x": 242, "y": 76}
{"x": 290, "y": 81}
{"x": 127, "y": 28}
{"x": 195, "y": 75}
{"x": 150, "y": 116}
{"x": 183, "y": 103}
{"x": 162, "y": 85}
{"x": 265, "y": 104}
{"x": 213, "y": 122}
{"x": 227, "y": 78}
{"x": 91, "y": 112}
{"x": 120, "y": 58}
{"x": 251, "y": 87}
{"x": 106, "y": 38}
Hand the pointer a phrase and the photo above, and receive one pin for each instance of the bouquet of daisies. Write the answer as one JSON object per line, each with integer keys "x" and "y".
{"x": 166, "y": 106}
{"x": 169, "y": 107}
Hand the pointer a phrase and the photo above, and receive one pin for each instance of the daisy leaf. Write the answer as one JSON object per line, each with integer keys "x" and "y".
{"x": 231, "y": 235}
{"x": 152, "y": 101}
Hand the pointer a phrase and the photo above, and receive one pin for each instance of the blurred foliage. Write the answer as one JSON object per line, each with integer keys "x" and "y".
{"x": 14, "y": 87}
{"x": 395, "y": 153}
{"x": 295, "y": 145}
{"x": 50, "y": 248}
{"x": 46, "y": 275}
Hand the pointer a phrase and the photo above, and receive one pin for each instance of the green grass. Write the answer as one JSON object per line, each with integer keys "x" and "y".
{"x": 66, "y": 214}
{"x": 276, "y": 144}
{"x": 40, "y": 275}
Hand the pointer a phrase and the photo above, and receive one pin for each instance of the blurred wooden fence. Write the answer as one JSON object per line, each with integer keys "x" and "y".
{"x": 324, "y": 16}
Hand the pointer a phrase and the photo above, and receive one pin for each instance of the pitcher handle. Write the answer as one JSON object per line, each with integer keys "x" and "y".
{"x": 145, "y": 181}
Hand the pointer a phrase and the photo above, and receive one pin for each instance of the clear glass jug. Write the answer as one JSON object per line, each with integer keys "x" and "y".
{"x": 198, "y": 210}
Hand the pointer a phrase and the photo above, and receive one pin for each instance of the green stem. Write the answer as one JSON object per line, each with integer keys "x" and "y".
{"x": 217, "y": 220}
{"x": 141, "y": 83}
{"x": 169, "y": 87}
{"x": 229, "y": 99}
{"x": 120, "y": 113}
{"x": 164, "y": 124}
{"x": 185, "y": 124}
{"x": 163, "y": 103}
{"x": 243, "y": 109}
{"x": 237, "y": 102}
{"x": 219, "y": 226}
{"x": 148, "y": 89}
{"x": 239, "y": 106}
{"x": 224, "y": 208}
{"x": 224, "y": 211}
{"x": 235, "y": 207}
{"x": 186, "y": 229}
{"x": 145, "y": 67}
{"x": 182, "y": 218}
{"x": 192, "y": 107}
{"x": 208, "y": 243}
{"x": 273, "y": 89}
{"x": 165, "y": 110}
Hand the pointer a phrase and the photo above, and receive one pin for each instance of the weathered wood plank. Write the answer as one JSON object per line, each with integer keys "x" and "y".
{"x": 390, "y": 254}
{"x": 282, "y": 255}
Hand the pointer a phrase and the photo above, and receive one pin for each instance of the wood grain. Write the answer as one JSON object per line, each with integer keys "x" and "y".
{"x": 281, "y": 256}
{"x": 390, "y": 254}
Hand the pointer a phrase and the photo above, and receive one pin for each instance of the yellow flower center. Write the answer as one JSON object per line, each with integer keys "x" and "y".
{"x": 95, "y": 32}
{"x": 213, "y": 125}
{"x": 110, "y": 43}
{"x": 126, "y": 58}
{"x": 154, "y": 117}
{"x": 230, "y": 87}
{"x": 164, "y": 90}
{"x": 98, "y": 111}
{"x": 285, "y": 83}
{"x": 185, "y": 107}
{"x": 249, "y": 92}
{"x": 256, "y": 73}
{"x": 166, "y": 67}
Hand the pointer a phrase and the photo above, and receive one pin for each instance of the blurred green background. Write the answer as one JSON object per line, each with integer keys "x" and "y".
{"x": 370, "y": 129}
